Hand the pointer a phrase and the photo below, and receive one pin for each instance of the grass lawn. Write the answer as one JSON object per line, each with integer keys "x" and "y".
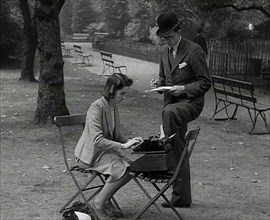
{"x": 230, "y": 169}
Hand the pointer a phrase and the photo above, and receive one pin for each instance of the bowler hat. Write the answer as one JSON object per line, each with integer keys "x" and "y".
{"x": 167, "y": 22}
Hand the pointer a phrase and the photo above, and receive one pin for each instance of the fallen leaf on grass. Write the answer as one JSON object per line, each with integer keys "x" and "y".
{"x": 201, "y": 184}
{"x": 45, "y": 167}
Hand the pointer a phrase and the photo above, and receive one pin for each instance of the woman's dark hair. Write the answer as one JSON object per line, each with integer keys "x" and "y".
{"x": 115, "y": 82}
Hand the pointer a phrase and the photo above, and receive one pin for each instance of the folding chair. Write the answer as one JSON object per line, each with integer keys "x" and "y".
{"x": 66, "y": 50}
{"x": 110, "y": 65}
{"x": 72, "y": 120}
{"x": 165, "y": 177}
{"x": 79, "y": 54}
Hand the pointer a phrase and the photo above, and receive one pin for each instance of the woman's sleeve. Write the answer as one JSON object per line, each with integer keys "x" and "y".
{"x": 94, "y": 120}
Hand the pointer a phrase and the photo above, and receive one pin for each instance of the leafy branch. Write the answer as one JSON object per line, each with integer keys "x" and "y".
{"x": 244, "y": 8}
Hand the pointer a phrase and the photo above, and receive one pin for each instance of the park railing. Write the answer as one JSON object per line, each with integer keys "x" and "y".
{"x": 143, "y": 51}
{"x": 238, "y": 59}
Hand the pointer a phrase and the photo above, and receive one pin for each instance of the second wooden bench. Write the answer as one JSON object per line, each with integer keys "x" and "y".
{"x": 231, "y": 92}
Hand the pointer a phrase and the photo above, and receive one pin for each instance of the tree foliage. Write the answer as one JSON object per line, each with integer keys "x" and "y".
{"x": 11, "y": 30}
{"x": 66, "y": 17}
{"x": 116, "y": 17}
{"x": 136, "y": 20}
{"x": 82, "y": 15}
{"x": 230, "y": 18}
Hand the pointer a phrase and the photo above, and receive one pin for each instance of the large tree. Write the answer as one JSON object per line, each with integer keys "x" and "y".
{"x": 29, "y": 43}
{"x": 51, "y": 97}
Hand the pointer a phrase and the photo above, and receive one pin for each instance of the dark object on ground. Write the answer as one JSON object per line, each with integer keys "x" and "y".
{"x": 166, "y": 205}
{"x": 69, "y": 213}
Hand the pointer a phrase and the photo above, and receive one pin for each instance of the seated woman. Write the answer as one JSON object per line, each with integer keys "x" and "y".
{"x": 101, "y": 143}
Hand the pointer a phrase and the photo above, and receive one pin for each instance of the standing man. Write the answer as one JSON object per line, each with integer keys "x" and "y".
{"x": 201, "y": 40}
{"x": 182, "y": 66}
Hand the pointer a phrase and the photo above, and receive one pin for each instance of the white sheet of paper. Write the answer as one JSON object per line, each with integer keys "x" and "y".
{"x": 161, "y": 89}
{"x": 162, "y": 135}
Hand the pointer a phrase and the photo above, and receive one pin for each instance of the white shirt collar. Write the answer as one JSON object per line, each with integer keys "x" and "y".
{"x": 175, "y": 47}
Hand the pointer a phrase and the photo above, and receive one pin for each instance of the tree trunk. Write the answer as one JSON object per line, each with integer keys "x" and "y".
{"x": 29, "y": 44}
{"x": 51, "y": 97}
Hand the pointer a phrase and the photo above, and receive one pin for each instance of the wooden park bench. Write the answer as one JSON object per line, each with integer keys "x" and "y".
{"x": 66, "y": 50}
{"x": 109, "y": 63}
{"x": 79, "y": 54}
{"x": 238, "y": 93}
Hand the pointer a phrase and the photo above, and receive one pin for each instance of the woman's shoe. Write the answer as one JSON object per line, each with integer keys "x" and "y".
{"x": 100, "y": 213}
{"x": 112, "y": 210}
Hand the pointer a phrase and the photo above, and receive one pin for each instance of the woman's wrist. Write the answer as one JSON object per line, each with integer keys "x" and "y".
{"x": 122, "y": 146}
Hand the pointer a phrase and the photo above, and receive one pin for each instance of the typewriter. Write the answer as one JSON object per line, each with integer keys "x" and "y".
{"x": 154, "y": 145}
{"x": 157, "y": 155}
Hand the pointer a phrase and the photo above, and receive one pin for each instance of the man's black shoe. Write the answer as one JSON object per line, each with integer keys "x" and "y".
{"x": 166, "y": 205}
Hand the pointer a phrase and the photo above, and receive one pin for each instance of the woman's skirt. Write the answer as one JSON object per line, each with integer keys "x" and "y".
{"x": 111, "y": 165}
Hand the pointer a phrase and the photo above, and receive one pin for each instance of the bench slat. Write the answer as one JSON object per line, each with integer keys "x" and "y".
{"x": 236, "y": 95}
{"x": 67, "y": 120}
{"x": 233, "y": 82}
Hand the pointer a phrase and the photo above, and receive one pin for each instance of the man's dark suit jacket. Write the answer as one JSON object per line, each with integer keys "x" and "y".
{"x": 189, "y": 68}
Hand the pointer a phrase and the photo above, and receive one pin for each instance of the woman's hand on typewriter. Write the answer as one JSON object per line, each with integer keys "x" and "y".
{"x": 132, "y": 142}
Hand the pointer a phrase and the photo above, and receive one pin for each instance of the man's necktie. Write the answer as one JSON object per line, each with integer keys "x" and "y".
{"x": 171, "y": 57}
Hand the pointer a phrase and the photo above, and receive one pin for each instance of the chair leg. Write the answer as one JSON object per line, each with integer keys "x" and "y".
{"x": 152, "y": 201}
{"x": 80, "y": 189}
{"x": 147, "y": 194}
{"x": 168, "y": 201}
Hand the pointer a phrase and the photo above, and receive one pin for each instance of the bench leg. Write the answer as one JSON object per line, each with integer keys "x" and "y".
{"x": 88, "y": 60}
{"x": 265, "y": 122}
{"x": 226, "y": 111}
{"x": 254, "y": 121}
